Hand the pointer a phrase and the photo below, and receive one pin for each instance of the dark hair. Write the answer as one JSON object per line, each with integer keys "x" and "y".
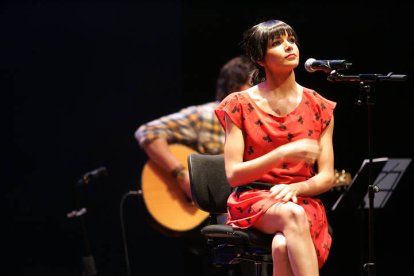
{"x": 234, "y": 74}
{"x": 256, "y": 39}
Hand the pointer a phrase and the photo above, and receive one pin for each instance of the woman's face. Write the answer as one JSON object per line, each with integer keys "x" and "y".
{"x": 282, "y": 54}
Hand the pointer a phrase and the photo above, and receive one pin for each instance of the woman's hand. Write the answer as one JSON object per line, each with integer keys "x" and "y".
{"x": 285, "y": 192}
{"x": 307, "y": 150}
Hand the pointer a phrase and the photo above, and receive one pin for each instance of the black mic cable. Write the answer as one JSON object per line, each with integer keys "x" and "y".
{"x": 124, "y": 239}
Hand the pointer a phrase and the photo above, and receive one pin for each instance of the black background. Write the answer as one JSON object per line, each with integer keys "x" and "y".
{"x": 78, "y": 78}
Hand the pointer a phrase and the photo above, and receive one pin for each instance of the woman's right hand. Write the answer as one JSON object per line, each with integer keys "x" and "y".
{"x": 307, "y": 150}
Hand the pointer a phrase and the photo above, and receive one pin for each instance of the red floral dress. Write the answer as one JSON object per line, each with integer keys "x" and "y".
{"x": 264, "y": 132}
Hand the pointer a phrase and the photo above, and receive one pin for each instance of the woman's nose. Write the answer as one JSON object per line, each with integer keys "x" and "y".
{"x": 288, "y": 46}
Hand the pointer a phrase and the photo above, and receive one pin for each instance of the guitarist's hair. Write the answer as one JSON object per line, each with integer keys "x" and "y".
{"x": 233, "y": 75}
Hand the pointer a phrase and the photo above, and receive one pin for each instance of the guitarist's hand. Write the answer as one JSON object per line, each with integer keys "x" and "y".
{"x": 183, "y": 179}
{"x": 159, "y": 183}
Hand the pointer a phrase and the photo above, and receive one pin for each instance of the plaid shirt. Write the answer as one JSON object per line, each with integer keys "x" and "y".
{"x": 195, "y": 126}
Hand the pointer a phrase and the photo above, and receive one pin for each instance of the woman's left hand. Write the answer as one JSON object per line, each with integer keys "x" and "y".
{"x": 284, "y": 192}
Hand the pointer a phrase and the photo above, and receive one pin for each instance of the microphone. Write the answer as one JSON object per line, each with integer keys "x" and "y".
{"x": 87, "y": 177}
{"x": 313, "y": 65}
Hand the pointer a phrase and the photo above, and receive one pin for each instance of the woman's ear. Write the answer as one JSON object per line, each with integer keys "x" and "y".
{"x": 260, "y": 62}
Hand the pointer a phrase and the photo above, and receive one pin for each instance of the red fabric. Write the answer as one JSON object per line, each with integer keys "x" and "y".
{"x": 262, "y": 133}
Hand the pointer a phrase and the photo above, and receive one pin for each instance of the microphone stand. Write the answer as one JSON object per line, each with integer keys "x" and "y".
{"x": 88, "y": 261}
{"x": 365, "y": 81}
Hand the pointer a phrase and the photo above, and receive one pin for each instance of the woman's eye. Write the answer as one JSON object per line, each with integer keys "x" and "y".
{"x": 292, "y": 40}
{"x": 275, "y": 43}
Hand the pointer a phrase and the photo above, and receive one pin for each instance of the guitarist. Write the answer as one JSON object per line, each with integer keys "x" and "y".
{"x": 195, "y": 126}
{"x": 198, "y": 128}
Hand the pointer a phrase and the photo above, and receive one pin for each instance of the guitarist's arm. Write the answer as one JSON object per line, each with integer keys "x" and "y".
{"x": 158, "y": 151}
{"x": 177, "y": 128}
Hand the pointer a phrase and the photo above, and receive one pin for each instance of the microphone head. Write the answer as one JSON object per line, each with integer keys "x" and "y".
{"x": 308, "y": 65}
{"x": 102, "y": 171}
{"x": 95, "y": 174}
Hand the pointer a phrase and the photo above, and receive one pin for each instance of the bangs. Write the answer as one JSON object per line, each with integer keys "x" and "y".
{"x": 278, "y": 30}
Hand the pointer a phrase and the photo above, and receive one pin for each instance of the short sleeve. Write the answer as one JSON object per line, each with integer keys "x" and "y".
{"x": 180, "y": 127}
{"x": 231, "y": 105}
{"x": 326, "y": 108}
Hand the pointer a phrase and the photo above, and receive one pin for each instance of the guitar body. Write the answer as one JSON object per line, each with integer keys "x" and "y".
{"x": 163, "y": 198}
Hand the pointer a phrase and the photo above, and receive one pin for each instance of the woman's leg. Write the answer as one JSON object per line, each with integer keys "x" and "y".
{"x": 281, "y": 263}
{"x": 291, "y": 220}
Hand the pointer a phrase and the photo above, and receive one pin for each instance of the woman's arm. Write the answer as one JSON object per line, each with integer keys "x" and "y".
{"x": 325, "y": 176}
{"x": 240, "y": 173}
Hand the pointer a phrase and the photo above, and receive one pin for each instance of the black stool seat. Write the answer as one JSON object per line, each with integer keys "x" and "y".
{"x": 246, "y": 237}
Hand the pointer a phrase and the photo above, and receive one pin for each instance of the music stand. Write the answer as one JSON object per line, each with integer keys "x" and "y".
{"x": 365, "y": 86}
{"x": 387, "y": 180}
{"x": 389, "y": 172}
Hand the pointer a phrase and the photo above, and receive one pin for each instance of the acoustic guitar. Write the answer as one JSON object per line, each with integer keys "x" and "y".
{"x": 164, "y": 200}
{"x": 342, "y": 180}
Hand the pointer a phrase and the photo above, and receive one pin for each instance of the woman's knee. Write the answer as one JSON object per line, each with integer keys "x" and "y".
{"x": 296, "y": 216}
{"x": 279, "y": 245}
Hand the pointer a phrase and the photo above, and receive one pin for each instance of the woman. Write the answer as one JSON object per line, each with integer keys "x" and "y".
{"x": 279, "y": 132}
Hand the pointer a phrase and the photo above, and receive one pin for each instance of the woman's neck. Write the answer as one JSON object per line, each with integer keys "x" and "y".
{"x": 280, "y": 84}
